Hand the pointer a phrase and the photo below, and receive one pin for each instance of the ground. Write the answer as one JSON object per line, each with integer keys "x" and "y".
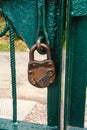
{"x": 25, "y": 90}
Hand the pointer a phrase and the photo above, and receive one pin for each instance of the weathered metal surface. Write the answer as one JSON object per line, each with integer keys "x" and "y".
{"x": 13, "y": 73}
{"x": 41, "y": 73}
{"x": 23, "y": 16}
{"x": 76, "y": 69}
{"x": 78, "y": 7}
{"x": 76, "y": 128}
{"x": 54, "y": 92}
{"x": 9, "y": 125}
{"x": 42, "y": 30}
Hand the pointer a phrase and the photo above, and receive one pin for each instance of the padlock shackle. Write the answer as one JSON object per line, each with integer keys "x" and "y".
{"x": 45, "y": 47}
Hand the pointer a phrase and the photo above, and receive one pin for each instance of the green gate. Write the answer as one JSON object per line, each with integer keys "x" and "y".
{"x": 76, "y": 63}
{"x": 63, "y": 23}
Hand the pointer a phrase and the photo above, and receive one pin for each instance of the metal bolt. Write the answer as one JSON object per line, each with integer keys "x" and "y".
{"x": 34, "y": 83}
{"x": 30, "y": 72}
{"x": 50, "y": 74}
{"x": 50, "y": 82}
{"x": 33, "y": 65}
{"x": 50, "y": 63}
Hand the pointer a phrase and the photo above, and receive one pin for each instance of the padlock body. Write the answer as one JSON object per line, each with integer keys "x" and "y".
{"x": 41, "y": 73}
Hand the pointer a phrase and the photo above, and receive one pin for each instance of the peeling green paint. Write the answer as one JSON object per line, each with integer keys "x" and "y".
{"x": 22, "y": 16}
{"x": 9, "y": 125}
{"x": 78, "y": 7}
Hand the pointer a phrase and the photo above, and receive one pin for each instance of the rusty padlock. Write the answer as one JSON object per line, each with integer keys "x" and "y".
{"x": 41, "y": 73}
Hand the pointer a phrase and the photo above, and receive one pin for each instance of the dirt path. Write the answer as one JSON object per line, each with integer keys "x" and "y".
{"x": 24, "y": 89}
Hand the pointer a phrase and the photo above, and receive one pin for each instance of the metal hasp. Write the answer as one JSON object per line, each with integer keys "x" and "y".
{"x": 22, "y": 17}
{"x": 76, "y": 63}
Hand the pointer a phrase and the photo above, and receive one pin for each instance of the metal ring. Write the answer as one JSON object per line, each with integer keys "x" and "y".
{"x": 39, "y": 46}
{"x": 38, "y": 43}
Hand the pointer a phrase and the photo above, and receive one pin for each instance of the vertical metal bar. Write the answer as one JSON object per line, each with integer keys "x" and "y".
{"x": 13, "y": 73}
{"x": 54, "y": 92}
{"x": 42, "y": 32}
{"x": 76, "y": 69}
{"x": 68, "y": 67}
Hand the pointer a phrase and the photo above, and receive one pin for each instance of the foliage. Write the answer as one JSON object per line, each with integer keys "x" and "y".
{"x": 4, "y": 47}
{"x": 4, "y": 41}
{"x": 20, "y": 46}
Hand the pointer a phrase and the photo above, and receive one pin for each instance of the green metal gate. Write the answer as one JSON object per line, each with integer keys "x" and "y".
{"x": 76, "y": 63}
{"x": 63, "y": 21}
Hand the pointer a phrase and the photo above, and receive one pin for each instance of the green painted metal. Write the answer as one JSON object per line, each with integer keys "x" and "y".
{"x": 28, "y": 11}
{"x": 46, "y": 19}
{"x": 9, "y": 125}
{"x": 78, "y": 7}
{"x": 9, "y": 27}
{"x": 42, "y": 32}
{"x": 54, "y": 92}
{"x": 76, "y": 69}
{"x": 76, "y": 128}
{"x": 13, "y": 73}
{"x": 23, "y": 17}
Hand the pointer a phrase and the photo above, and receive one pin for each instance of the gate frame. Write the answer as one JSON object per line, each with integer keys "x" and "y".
{"x": 54, "y": 92}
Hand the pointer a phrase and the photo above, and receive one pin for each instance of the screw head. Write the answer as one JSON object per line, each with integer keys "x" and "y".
{"x": 33, "y": 64}
{"x": 50, "y": 63}
{"x": 34, "y": 83}
{"x": 50, "y": 74}
{"x": 30, "y": 72}
{"x": 50, "y": 82}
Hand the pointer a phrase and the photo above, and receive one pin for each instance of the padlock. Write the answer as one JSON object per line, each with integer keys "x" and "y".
{"x": 41, "y": 73}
